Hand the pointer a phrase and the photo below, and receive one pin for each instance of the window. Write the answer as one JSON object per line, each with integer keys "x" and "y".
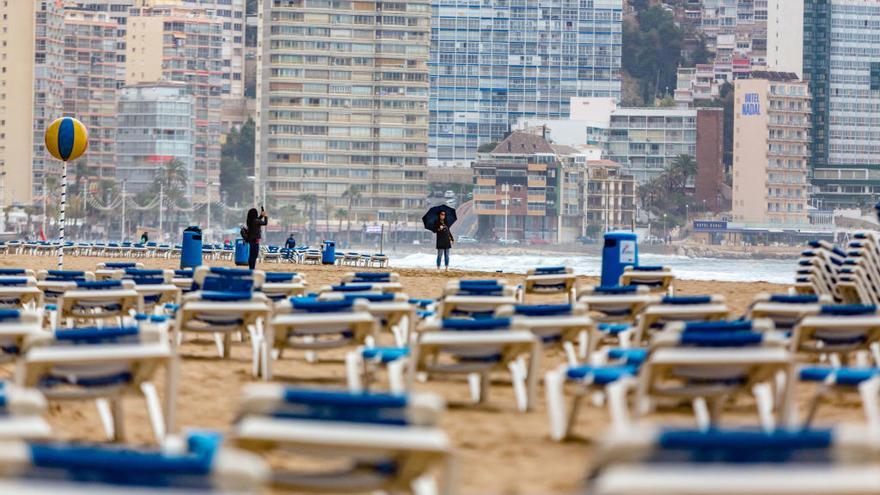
{"x": 875, "y": 76}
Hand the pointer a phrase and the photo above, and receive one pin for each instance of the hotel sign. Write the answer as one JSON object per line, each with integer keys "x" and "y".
{"x": 710, "y": 226}
{"x": 751, "y": 104}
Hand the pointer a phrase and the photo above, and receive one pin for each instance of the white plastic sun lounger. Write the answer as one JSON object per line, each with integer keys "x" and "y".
{"x": 551, "y": 280}
{"x": 98, "y": 302}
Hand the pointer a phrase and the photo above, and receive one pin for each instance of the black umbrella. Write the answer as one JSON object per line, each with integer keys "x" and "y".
{"x": 432, "y": 217}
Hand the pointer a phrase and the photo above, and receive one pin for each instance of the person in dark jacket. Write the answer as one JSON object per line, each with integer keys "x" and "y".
{"x": 255, "y": 223}
{"x": 291, "y": 242}
{"x": 444, "y": 240}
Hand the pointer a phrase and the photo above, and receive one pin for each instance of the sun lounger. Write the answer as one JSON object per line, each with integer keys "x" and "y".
{"x": 98, "y": 302}
{"x": 648, "y": 460}
{"x": 21, "y": 414}
{"x": 155, "y": 287}
{"x": 615, "y": 304}
{"x": 477, "y": 348}
{"x": 283, "y": 285}
{"x": 551, "y": 280}
{"x": 16, "y": 325}
{"x": 656, "y": 278}
{"x": 222, "y": 314}
{"x": 104, "y": 363}
{"x": 839, "y": 331}
{"x": 195, "y": 464}
{"x": 682, "y": 308}
{"x": 394, "y": 312}
{"x": 311, "y": 257}
{"x": 310, "y": 324}
{"x": 562, "y": 325}
{"x": 111, "y": 270}
{"x": 18, "y": 290}
{"x": 382, "y": 287}
{"x": 390, "y": 443}
{"x": 785, "y": 310}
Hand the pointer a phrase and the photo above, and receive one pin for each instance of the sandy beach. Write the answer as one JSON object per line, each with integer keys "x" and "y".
{"x": 499, "y": 449}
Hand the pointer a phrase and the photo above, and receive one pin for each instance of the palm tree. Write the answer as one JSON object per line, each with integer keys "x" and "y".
{"x": 310, "y": 202}
{"x": 171, "y": 180}
{"x": 289, "y": 214}
{"x": 341, "y": 214}
{"x": 353, "y": 193}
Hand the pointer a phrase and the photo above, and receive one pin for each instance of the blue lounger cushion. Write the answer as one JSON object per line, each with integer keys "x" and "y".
{"x": 649, "y": 268}
{"x": 543, "y": 309}
{"x": 849, "y": 309}
{"x": 328, "y": 405}
{"x": 476, "y": 325}
{"x": 12, "y": 271}
{"x": 371, "y": 297}
{"x": 142, "y": 272}
{"x": 720, "y": 326}
{"x": 372, "y": 277}
{"x": 120, "y": 264}
{"x": 227, "y": 284}
{"x": 226, "y": 296}
{"x": 352, "y": 288}
{"x": 550, "y": 270}
{"x": 615, "y": 289}
{"x": 231, "y": 272}
{"x": 8, "y": 315}
{"x": 720, "y": 338}
{"x": 147, "y": 280}
{"x": 100, "y": 285}
{"x": 794, "y": 299}
{"x": 683, "y": 300}
{"x": 94, "y": 335}
{"x": 66, "y": 273}
{"x": 478, "y": 284}
{"x": 276, "y": 277}
{"x": 112, "y": 464}
{"x": 385, "y": 354}
{"x": 186, "y": 273}
{"x": 842, "y": 376}
{"x": 743, "y": 446}
{"x": 13, "y": 281}
{"x": 632, "y": 357}
{"x": 312, "y": 305}
{"x": 601, "y": 375}
{"x": 613, "y": 328}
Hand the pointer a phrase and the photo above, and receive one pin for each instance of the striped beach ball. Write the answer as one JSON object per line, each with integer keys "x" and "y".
{"x": 66, "y": 139}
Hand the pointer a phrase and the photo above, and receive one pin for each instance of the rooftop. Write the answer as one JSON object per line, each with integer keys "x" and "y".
{"x": 522, "y": 143}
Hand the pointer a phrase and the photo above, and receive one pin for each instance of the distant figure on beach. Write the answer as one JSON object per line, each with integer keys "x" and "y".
{"x": 290, "y": 243}
{"x": 255, "y": 222}
{"x": 444, "y": 240}
{"x": 145, "y": 238}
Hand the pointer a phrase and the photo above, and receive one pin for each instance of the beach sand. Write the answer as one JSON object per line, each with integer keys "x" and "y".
{"x": 499, "y": 450}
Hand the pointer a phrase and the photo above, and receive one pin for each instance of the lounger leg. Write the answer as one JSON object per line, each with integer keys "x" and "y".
{"x": 118, "y": 422}
{"x": 554, "y": 384}
{"x": 701, "y": 413}
{"x": 875, "y": 353}
{"x": 311, "y": 356}
{"x": 570, "y": 354}
{"x": 474, "y": 383}
{"x": 103, "y": 406}
{"x": 227, "y": 345}
{"x": 218, "y": 341}
{"x": 869, "y": 391}
{"x": 154, "y": 410}
{"x": 395, "y": 376}
{"x": 425, "y": 485}
{"x": 572, "y": 415}
{"x": 764, "y": 400}
{"x": 256, "y": 340}
{"x": 354, "y": 363}
{"x": 519, "y": 385}
{"x": 583, "y": 345}
{"x": 617, "y": 404}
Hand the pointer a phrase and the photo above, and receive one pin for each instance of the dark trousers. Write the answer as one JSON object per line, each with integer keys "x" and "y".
{"x": 253, "y": 254}
{"x": 442, "y": 254}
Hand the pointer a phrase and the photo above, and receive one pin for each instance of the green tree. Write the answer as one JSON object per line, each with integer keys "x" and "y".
{"x": 310, "y": 204}
{"x": 341, "y": 214}
{"x": 237, "y": 163}
{"x": 652, "y": 51}
{"x": 701, "y": 53}
{"x": 667, "y": 192}
{"x": 353, "y": 193}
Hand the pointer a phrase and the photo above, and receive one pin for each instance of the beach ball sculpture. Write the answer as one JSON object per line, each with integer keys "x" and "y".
{"x": 66, "y": 139}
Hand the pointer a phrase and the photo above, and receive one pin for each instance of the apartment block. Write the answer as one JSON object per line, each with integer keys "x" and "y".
{"x": 156, "y": 123}
{"x": 90, "y": 76}
{"x": 771, "y": 149}
{"x": 184, "y": 44}
{"x": 342, "y": 101}
{"x": 646, "y": 140}
{"x": 494, "y": 62}
{"x": 709, "y": 182}
{"x": 841, "y": 61}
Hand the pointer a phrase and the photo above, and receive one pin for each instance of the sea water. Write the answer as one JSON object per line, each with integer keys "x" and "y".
{"x": 684, "y": 267}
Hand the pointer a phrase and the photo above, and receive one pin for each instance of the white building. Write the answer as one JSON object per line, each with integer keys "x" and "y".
{"x": 785, "y": 36}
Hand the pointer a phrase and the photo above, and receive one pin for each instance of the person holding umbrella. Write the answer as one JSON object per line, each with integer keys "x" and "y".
{"x": 438, "y": 220}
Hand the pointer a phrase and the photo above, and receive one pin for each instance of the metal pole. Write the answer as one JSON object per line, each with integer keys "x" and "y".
{"x": 61, "y": 214}
{"x": 208, "y": 227}
{"x": 122, "y": 226}
{"x": 382, "y": 240}
{"x": 85, "y": 218}
{"x": 45, "y": 210}
{"x": 161, "y": 208}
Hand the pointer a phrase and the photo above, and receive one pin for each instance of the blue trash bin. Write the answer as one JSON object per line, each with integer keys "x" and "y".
{"x": 242, "y": 252}
{"x": 191, "y": 248}
{"x": 328, "y": 256}
{"x": 621, "y": 250}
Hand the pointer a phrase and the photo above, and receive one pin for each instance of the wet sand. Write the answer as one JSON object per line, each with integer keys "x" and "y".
{"x": 499, "y": 450}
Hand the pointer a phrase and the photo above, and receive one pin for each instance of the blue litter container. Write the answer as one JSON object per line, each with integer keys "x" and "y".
{"x": 328, "y": 256}
{"x": 191, "y": 248}
{"x": 621, "y": 250}
{"x": 242, "y": 252}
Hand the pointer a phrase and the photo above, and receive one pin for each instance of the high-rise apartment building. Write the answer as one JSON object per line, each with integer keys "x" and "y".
{"x": 494, "y": 62}
{"x": 709, "y": 182}
{"x": 771, "y": 149}
{"x": 184, "y": 44}
{"x": 342, "y": 100}
{"x": 785, "y": 36}
{"x": 842, "y": 64}
{"x": 48, "y": 86}
{"x": 646, "y": 140}
{"x": 90, "y": 85}
{"x": 117, "y": 11}
{"x": 155, "y": 125}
